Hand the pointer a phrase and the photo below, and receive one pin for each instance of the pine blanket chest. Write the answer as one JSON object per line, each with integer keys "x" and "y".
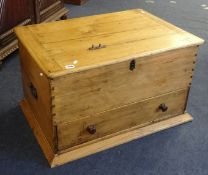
{"x": 95, "y": 82}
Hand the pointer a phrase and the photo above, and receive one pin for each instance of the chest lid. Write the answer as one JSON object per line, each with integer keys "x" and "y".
{"x": 83, "y": 43}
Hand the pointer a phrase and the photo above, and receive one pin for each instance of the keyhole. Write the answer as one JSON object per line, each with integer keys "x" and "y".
{"x": 132, "y": 65}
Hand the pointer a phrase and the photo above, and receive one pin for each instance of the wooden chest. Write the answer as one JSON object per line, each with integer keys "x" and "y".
{"x": 95, "y": 82}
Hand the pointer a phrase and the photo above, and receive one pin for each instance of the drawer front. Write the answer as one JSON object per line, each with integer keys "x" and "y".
{"x": 120, "y": 119}
{"x": 96, "y": 90}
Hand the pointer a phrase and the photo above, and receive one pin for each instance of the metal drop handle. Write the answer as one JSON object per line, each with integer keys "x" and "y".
{"x": 33, "y": 91}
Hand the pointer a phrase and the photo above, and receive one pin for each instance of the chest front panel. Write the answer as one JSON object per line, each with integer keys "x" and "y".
{"x": 116, "y": 85}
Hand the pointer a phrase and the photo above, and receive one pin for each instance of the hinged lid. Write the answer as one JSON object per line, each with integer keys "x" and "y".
{"x": 83, "y": 43}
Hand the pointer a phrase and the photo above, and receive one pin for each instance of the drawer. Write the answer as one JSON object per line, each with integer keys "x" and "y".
{"x": 115, "y": 85}
{"x": 120, "y": 119}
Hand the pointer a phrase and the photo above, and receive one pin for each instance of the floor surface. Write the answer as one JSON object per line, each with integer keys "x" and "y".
{"x": 179, "y": 151}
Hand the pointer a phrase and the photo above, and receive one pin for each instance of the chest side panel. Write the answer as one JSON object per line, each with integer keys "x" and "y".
{"x": 37, "y": 93}
{"x": 89, "y": 92}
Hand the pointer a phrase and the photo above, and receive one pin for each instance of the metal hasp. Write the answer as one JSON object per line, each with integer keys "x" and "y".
{"x": 94, "y": 47}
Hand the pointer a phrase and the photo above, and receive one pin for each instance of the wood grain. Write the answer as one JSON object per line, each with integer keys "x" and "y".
{"x": 113, "y": 121}
{"x": 119, "y": 139}
{"x": 46, "y": 3}
{"x": 37, "y": 130}
{"x": 47, "y": 8}
{"x": 24, "y": 12}
{"x": 9, "y": 10}
{"x": 85, "y": 98}
{"x": 59, "y": 159}
{"x": 13, "y": 13}
{"x": 41, "y": 106}
{"x": 115, "y": 85}
{"x": 62, "y": 49}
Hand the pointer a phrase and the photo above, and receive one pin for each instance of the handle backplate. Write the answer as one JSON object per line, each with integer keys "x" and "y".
{"x": 33, "y": 91}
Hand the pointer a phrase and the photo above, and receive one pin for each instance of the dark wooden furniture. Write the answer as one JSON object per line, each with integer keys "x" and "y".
{"x": 13, "y": 13}
{"x": 23, "y": 12}
{"x": 77, "y": 2}
{"x": 49, "y": 10}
